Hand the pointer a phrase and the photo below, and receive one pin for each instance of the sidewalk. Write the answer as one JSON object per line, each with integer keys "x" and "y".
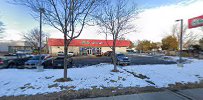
{"x": 190, "y": 94}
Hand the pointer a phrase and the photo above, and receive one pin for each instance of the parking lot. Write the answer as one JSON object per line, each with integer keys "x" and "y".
{"x": 81, "y": 61}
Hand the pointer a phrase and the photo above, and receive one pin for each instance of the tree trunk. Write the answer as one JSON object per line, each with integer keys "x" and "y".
{"x": 114, "y": 58}
{"x": 65, "y": 56}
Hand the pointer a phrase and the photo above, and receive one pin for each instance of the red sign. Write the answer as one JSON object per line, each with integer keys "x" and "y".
{"x": 195, "y": 22}
{"x": 88, "y": 43}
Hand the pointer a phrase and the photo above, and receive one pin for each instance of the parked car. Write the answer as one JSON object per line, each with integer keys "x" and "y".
{"x": 61, "y": 53}
{"x": 108, "y": 53}
{"x": 57, "y": 63}
{"x": 1, "y": 61}
{"x": 32, "y": 62}
{"x": 122, "y": 59}
{"x": 48, "y": 63}
{"x": 70, "y": 54}
{"x": 130, "y": 51}
{"x": 15, "y": 60}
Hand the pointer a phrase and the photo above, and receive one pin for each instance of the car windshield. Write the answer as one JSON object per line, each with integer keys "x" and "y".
{"x": 121, "y": 55}
{"x": 36, "y": 57}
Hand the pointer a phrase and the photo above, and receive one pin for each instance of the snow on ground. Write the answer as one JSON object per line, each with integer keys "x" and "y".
{"x": 163, "y": 75}
{"x": 29, "y": 81}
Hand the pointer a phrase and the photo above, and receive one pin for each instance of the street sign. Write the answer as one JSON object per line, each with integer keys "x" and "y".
{"x": 195, "y": 22}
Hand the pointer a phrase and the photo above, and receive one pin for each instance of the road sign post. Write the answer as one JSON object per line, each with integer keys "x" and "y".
{"x": 180, "y": 63}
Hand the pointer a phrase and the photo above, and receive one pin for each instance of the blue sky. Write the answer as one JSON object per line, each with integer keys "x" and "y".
{"x": 18, "y": 19}
{"x": 156, "y": 3}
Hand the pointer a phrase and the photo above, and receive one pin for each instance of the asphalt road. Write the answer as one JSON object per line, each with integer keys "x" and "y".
{"x": 189, "y": 94}
{"x": 81, "y": 61}
{"x": 90, "y": 60}
{"x": 135, "y": 60}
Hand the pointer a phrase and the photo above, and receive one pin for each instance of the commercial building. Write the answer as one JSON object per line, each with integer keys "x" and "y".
{"x": 10, "y": 46}
{"x": 87, "y": 46}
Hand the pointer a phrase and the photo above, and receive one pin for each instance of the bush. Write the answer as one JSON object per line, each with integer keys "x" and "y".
{"x": 185, "y": 54}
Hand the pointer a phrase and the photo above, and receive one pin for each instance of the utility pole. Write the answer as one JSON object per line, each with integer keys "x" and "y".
{"x": 40, "y": 67}
{"x": 180, "y": 43}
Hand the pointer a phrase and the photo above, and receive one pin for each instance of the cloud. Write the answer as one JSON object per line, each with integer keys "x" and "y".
{"x": 154, "y": 23}
{"x": 12, "y": 34}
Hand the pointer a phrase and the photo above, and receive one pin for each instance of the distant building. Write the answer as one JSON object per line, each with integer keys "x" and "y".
{"x": 10, "y": 46}
{"x": 87, "y": 46}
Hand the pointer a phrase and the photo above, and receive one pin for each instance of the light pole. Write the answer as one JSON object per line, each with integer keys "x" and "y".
{"x": 40, "y": 67}
{"x": 180, "y": 42}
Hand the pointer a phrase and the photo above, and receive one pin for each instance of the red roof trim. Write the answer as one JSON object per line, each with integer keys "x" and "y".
{"x": 88, "y": 42}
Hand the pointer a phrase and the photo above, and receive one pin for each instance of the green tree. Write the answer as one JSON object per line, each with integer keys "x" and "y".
{"x": 154, "y": 45}
{"x": 144, "y": 46}
{"x": 169, "y": 43}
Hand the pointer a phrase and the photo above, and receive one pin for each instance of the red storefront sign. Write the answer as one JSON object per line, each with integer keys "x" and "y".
{"x": 195, "y": 22}
{"x": 88, "y": 43}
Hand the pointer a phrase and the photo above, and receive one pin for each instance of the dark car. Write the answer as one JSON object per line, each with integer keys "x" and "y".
{"x": 1, "y": 61}
{"x": 48, "y": 63}
{"x": 108, "y": 53}
{"x": 57, "y": 63}
{"x": 122, "y": 59}
{"x": 15, "y": 60}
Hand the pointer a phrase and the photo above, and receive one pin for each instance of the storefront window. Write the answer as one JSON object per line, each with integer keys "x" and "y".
{"x": 90, "y": 51}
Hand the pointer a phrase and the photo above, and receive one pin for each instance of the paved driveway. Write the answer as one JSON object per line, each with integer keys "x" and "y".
{"x": 145, "y": 59}
{"x": 81, "y": 61}
{"x": 189, "y": 94}
{"x": 135, "y": 60}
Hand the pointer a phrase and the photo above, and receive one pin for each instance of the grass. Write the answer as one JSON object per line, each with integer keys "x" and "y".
{"x": 105, "y": 92}
{"x": 114, "y": 70}
{"x": 63, "y": 80}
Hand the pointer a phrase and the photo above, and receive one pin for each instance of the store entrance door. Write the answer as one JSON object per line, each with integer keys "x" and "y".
{"x": 89, "y": 51}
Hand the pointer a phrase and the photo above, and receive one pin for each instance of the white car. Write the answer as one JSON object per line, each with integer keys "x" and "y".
{"x": 62, "y": 53}
{"x": 70, "y": 54}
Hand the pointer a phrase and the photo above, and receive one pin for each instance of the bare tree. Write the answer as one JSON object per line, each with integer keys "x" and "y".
{"x": 67, "y": 16}
{"x": 201, "y": 43}
{"x": 114, "y": 19}
{"x": 1, "y": 29}
{"x": 32, "y": 37}
{"x": 189, "y": 37}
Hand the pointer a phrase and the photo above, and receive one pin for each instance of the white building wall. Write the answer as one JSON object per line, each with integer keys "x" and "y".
{"x": 55, "y": 49}
{"x": 5, "y": 44}
{"x": 118, "y": 49}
